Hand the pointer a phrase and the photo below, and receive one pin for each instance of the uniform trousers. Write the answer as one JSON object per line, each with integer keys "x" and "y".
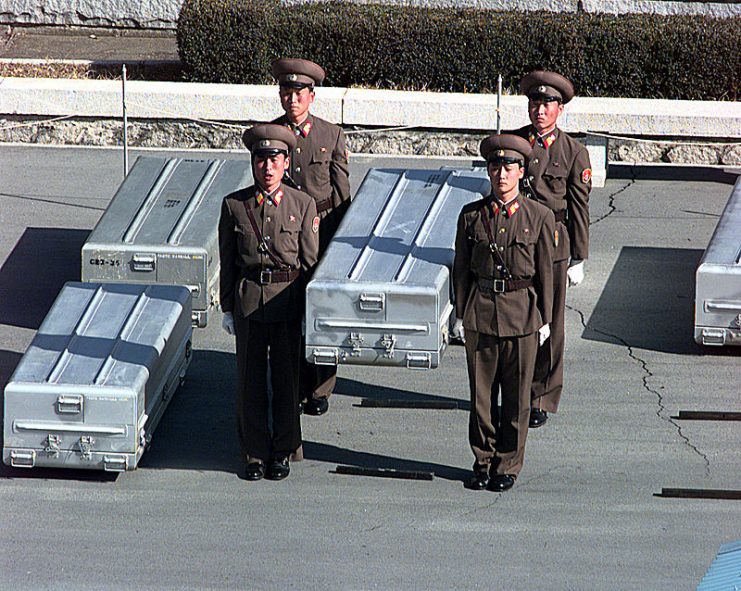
{"x": 497, "y": 432}
{"x": 548, "y": 377}
{"x": 260, "y": 343}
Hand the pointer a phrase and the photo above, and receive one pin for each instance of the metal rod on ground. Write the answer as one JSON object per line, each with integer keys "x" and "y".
{"x": 125, "y": 123}
{"x": 708, "y": 415}
{"x": 499, "y": 104}
{"x": 401, "y": 403}
{"x": 701, "y": 493}
{"x": 385, "y": 472}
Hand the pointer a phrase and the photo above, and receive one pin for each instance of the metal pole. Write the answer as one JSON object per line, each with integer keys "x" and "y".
{"x": 125, "y": 134}
{"x": 499, "y": 104}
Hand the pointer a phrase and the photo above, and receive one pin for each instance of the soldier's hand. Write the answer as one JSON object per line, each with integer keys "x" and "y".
{"x": 575, "y": 272}
{"x": 227, "y": 323}
{"x": 543, "y": 333}
{"x": 458, "y": 332}
{"x": 303, "y": 326}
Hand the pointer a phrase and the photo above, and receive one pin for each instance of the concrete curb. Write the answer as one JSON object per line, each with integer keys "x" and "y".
{"x": 383, "y": 108}
{"x": 375, "y": 111}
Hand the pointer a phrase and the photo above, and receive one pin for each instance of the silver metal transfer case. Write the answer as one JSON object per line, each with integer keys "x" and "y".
{"x": 381, "y": 294}
{"x": 718, "y": 280}
{"x": 162, "y": 227}
{"x": 97, "y": 377}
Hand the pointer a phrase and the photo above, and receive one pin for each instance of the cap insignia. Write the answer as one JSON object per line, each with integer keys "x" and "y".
{"x": 292, "y": 77}
{"x": 264, "y": 144}
{"x": 500, "y": 152}
{"x": 541, "y": 89}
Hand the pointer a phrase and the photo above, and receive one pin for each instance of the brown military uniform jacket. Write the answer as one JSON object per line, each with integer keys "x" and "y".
{"x": 319, "y": 167}
{"x": 524, "y": 236}
{"x": 561, "y": 176}
{"x": 290, "y": 228}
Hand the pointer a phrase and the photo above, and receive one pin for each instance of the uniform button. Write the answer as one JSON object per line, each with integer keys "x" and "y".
{"x": 501, "y": 249}
{"x": 535, "y": 161}
{"x": 502, "y": 230}
{"x": 267, "y": 219}
{"x": 298, "y": 150}
{"x": 299, "y": 187}
{"x": 267, "y": 237}
{"x": 531, "y": 178}
{"x": 298, "y": 169}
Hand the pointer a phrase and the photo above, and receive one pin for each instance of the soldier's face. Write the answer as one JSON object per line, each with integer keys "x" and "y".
{"x": 505, "y": 178}
{"x": 544, "y": 115}
{"x": 296, "y": 102}
{"x": 268, "y": 170}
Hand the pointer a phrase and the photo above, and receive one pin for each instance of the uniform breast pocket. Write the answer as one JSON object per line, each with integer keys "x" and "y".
{"x": 287, "y": 240}
{"x": 522, "y": 253}
{"x": 319, "y": 166}
{"x": 555, "y": 178}
{"x": 246, "y": 240}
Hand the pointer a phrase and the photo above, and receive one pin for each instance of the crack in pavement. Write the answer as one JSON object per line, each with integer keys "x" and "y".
{"x": 648, "y": 374}
{"x": 611, "y": 207}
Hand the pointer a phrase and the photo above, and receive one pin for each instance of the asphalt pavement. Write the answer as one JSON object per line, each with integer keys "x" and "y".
{"x": 87, "y": 43}
{"x": 586, "y": 513}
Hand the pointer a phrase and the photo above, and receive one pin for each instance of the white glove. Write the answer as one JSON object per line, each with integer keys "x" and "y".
{"x": 543, "y": 333}
{"x": 458, "y": 332}
{"x": 575, "y": 272}
{"x": 227, "y": 323}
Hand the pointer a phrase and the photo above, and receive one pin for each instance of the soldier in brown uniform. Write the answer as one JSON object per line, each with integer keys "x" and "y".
{"x": 560, "y": 177}
{"x": 503, "y": 281}
{"x": 319, "y": 166}
{"x": 268, "y": 243}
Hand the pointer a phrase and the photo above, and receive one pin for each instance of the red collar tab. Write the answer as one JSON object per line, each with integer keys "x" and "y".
{"x": 544, "y": 141}
{"x": 513, "y": 207}
{"x": 275, "y": 198}
{"x": 302, "y": 130}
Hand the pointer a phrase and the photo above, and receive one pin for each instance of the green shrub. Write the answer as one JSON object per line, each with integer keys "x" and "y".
{"x": 463, "y": 50}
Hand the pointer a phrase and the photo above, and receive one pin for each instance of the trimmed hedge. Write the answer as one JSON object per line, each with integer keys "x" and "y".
{"x": 463, "y": 50}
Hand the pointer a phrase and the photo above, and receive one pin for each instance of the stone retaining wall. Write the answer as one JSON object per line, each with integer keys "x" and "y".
{"x": 163, "y": 14}
{"x": 192, "y": 135}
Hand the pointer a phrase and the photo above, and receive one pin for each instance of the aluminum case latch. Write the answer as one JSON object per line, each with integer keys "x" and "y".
{"x": 86, "y": 446}
{"x": 388, "y": 342}
{"x": 51, "y": 444}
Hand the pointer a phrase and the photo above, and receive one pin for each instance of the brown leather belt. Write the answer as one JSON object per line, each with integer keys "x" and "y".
{"x": 323, "y": 205}
{"x": 503, "y": 285}
{"x": 269, "y": 275}
{"x": 561, "y": 216}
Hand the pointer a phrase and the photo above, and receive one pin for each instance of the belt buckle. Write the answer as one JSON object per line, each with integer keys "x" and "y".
{"x": 266, "y": 277}
{"x": 499, "y": 286}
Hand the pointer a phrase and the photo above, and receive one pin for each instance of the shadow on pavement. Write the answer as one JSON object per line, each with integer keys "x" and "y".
{"x": 648, "y": 301}
{"x": 339, "y": 455}
{"x": 347, "y": 387}
{"x": 198, "y": 430}
{"x": 35, "y": 271}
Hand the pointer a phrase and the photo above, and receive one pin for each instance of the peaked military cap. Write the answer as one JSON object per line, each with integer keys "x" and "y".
{"x": 269, "y": 139}
{"x": 506, "y": 148}
{"x": 544, "y": 85}
{"x": 297, "y": 73}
